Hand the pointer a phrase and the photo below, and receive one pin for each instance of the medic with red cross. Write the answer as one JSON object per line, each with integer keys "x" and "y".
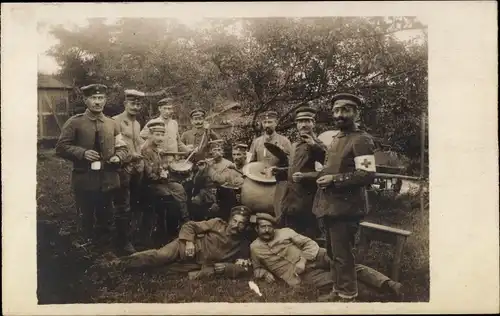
{"x": 339, "y": 203}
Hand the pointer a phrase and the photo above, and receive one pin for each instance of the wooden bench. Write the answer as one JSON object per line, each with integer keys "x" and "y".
{"x": 393, "y": 236}
{"x": 374, "y": 232}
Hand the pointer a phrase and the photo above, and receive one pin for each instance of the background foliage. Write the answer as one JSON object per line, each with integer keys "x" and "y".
{"x": 262, "y": 64}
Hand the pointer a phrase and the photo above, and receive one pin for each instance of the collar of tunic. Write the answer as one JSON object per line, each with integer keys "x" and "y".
{"x": 125, "y": 118}
{"x": 347, "y": 131}
{"x": 91, "y": 116}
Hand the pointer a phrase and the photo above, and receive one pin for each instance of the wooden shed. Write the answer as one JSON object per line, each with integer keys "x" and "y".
{"x": 53, "y": 106}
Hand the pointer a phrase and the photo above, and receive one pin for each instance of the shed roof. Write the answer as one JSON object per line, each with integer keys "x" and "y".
{"x": 48, "y": 81}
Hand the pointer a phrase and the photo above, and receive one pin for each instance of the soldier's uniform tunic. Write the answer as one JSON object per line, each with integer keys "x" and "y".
{"x": 194, "y": 137}
{"x": 258, "y": 152}
{"x": 295, "y": 209}
{"x": 171, "y": 142}
{"x": 94, "y": 189}
{"x": 279, "y": 256}
{"x": 296, "y": 205}
{"x": 208, "y": 184}
{"x": 341, "y": 205}
{"x": 129, "y": 195}
{"x": 162, "y": 191}
{"x": 198, "y": 138}
{"x": 212, "y": 242}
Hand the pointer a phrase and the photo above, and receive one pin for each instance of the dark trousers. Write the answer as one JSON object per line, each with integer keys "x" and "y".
{"x": 303, "y": 223}
{"x": 340, "y": 242}
{"x": 227, "y": 199}
{"x": 127, "y": 203}
{"x": 167, "y": 209}
{"x": 96, "y": 211}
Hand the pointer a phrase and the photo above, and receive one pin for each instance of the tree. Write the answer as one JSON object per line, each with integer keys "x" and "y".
{"x": 262, "y": 64}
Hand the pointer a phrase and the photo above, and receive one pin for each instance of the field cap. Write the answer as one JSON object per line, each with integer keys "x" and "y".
{"x": 156, "y": 126}
{"x": 93, "y": 89}
{"x": 305, "y": 113}
{"x": 348, "y": 97}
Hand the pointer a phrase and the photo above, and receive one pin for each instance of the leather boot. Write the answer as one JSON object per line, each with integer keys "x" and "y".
{"x": 393, "y": 287}
{"x": 123, "y": 235}
{"x": 184, "y": 213}
{"x": 334, "y": 297}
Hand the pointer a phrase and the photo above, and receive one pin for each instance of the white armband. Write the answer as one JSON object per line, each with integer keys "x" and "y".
{"x": 365, "y": 162}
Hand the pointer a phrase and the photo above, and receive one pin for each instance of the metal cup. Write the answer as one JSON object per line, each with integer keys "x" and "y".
{"x": 96, "y": 165}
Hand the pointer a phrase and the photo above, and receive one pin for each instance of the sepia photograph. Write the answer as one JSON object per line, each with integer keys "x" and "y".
{"x": 252, "y": 158}
{"x": 232, "y": 160}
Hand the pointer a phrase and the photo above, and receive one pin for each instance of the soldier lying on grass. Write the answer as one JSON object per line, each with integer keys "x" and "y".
{"x": 205, "y": 248}
{"x": 297, "y": 259}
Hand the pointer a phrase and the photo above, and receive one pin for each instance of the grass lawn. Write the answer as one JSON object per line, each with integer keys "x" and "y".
{"x": 64, "y": 277}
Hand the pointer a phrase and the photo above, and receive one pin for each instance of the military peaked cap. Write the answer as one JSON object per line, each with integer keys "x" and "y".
{"x": 92, "y": 89}
{"x": 156, "y": 126}
{"x": 165, "y": 101}
{"x": 269, "y": 115}
{"x": 347, "y": 96}
{"x": 197, "y": 112}
{"x": 133, "y": 94}
{"x": 241, "y": 210}
{"x": 305, "y": 112}
{"x": 243, "y": 147}
{"x": 217, "y": 143}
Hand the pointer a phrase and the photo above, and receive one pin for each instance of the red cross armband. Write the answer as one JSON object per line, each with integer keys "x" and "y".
{"x": 365, "y": 162}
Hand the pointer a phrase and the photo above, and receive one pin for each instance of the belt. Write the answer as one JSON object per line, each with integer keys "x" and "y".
{"x": 106, "y": 167}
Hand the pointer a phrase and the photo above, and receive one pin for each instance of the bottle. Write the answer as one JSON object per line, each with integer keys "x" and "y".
{"x": 97, "y": 165}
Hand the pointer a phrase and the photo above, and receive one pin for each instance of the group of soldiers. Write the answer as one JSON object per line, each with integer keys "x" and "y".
{"x": 118, "y": 166}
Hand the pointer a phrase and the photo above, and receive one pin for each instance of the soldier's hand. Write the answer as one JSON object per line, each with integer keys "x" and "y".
{"x": 164, "y": 174}
{"x": 325, "y": 181}
{"x": 300, "y": 266}
{"x": 214, "y": 208}
{"x": 243, "y": 262}
{"x": 297, "y": 176}
{"x": 114, "y": 159}
{"x": 269, "y": 278}
{"x": 219, "y": 267}
{"x": 206, "y": 125}
{"x": 190, "y": 147}
{"x": 190, "y": 249}
{"x": 269, "y": 171}
{"x": 91, "y": 155}
{"x": 273, "y": 170}
{"x": 136, "y": 157}
{"x": 308, "y": 139}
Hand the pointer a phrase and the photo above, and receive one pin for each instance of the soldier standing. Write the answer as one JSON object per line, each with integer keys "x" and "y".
{"x": 296, "y": 205}
{"x": 171, "y": 141}
{"x": 197, "y": 138}
{"x": 199, "y": 135}
{"x": 128, "y": 197}
{"x": 239, "y": 156}
{"x": 339, "y": 203}
{"x": 258, "y": 152}
{"x": 92, "y": 141}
